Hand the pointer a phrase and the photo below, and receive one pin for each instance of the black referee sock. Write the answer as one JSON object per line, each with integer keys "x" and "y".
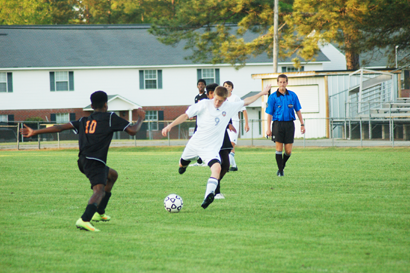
{"x": 104, "y": 202}
{"x": 285, "y": 158}
{"x": 279, "y": 160}
{"x": 89, "y": 212}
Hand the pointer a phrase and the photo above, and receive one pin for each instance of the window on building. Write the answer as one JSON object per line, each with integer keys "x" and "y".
{"x": 62, "y": 81}
{"x": 152, "y": 118}
{"x": 4, "y": 118}
{"x": 150, "y": 79}
{"x": 292, "y": 69}
{"x": 62, "y": 117}
{"x": 210, "y": 75}
{"x": 6, "y": 82}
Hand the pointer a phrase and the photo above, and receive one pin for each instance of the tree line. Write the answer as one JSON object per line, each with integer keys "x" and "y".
{"x": 232, "y": 31}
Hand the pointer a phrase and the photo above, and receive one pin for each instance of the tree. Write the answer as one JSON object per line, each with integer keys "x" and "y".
{"x": 63, "y": 11}
{"x": 388, "y": 26}
{"x": 321, "y": 22}
{"x": 121, "y": 11}
{"x": 220, "y": 31}
{"x": 24, "y": 12}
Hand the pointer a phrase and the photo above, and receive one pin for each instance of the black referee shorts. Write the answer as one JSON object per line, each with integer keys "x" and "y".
{"x": 283, "y": 131}
{"x": 96, "y": 171}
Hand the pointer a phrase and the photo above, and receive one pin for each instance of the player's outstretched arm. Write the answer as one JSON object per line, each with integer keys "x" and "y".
{"x": 252, "y": 99}
{"x": 177, "y": 121}
{"x": 133, "y": 129}
{"x": 28, "y": 132}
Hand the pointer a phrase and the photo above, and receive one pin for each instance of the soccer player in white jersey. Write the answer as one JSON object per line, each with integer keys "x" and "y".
{"x": 213, "y": 117}
{"x": 233, "y": 135}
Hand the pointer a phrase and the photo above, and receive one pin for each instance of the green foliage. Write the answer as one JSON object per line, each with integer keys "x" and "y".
{"x": 24, "y": 12}
{"x": 336, "y": 210}
{"x": 206, "y": 28}
{"x": 321, "y": 22}
{"x": 388, "y": 26}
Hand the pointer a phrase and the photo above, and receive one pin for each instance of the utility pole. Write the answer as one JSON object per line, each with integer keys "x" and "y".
{"x": 275, "y": 36}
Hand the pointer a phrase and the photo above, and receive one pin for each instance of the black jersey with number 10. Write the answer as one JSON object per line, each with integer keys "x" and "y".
{"x": 95, "y": 133}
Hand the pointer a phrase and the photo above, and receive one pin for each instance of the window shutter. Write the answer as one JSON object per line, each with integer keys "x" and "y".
{"x": 160, "y": 120}
{"x": 10, "y": 118}
{"x": 141, "y": 79}
{"x": 53, "y": 117}
{"x": 71, "y": 81}
{"x": 159, "y": 75}
{"x": 217, "y": 76}
{"x": 199, "y": 74}
{"x": 72, "y": 116}
{"x": 9, "y": 82}
{"x": 52, "y": 82}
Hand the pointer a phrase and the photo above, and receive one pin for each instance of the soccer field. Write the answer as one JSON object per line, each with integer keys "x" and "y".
{"x": 336, "y": 210}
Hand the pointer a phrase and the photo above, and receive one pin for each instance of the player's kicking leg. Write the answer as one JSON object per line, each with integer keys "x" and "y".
{"x": 212, "y": 183}
{"x": 183, "y": 164}
{"x": 100, "y": 214}
{"x": 84, "y": 222}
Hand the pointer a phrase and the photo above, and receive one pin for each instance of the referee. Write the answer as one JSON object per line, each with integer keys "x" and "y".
{"x": 281, "y": 109}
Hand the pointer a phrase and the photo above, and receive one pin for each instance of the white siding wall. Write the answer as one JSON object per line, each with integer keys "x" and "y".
{"x": 31, "y": 88}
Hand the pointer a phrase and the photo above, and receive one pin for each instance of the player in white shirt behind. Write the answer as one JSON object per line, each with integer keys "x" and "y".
{"x": 235, "y": 122}
{"x": 212, "y": 117}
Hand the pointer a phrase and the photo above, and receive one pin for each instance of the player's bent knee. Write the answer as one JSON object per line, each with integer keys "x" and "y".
{"x": 184, "y": 163}
{"x": 212, "y": 162}
{"x": 112, "y": 175}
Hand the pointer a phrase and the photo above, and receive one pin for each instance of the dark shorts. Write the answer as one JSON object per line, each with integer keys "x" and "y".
{"x": 96, "y": 171}
{"x": 283, "y": 131}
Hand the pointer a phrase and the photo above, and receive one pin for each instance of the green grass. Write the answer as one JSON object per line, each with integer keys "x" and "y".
{"x": 336, "y": 210}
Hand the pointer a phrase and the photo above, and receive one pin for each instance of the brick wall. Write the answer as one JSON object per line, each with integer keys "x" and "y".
{"x": 21, "y": 115}
{"x": 170, "y": 112}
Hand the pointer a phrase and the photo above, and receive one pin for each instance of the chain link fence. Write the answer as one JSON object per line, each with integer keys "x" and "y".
{"x": 319, "y": 132}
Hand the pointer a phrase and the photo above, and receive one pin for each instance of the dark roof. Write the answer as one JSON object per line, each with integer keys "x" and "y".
{"x": 92, "y": 45}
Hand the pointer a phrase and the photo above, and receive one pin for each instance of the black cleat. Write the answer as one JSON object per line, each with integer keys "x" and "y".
{"x": 280, "y": 173}
{"x": 208, "y": 200}
{"x": 233, "y": 169}
{"x": 181, "y": 170}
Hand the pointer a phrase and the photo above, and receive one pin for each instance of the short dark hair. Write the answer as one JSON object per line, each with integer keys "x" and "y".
{"x": 282, "y": 76}
{"x": 98, "y": 99}
{"x": 221, "y": 91}
{"x": 211, "y": 87}
{"x": 201, "y": 80}
{"x": 229, "y": 83}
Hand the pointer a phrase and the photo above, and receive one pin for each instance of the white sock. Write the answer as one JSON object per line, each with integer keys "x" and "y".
{"x": 232, "y": 159}
{"x": 211, "y": 186}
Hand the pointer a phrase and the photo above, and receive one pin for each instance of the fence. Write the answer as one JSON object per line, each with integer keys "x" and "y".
{"x": 381, "y": 132}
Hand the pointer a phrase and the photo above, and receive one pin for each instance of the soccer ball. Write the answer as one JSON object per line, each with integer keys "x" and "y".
{"x": 173, "y": 203}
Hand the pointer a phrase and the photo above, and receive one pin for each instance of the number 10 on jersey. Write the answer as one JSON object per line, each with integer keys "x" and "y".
{"x": 90, "y": 129}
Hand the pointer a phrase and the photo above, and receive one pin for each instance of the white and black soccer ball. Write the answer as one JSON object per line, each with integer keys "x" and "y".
{"x": 173, "y": 203}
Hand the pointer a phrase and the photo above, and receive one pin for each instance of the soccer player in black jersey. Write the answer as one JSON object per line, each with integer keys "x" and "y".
{"x": 201, "y": 84}
{"x": 95, "y": 135}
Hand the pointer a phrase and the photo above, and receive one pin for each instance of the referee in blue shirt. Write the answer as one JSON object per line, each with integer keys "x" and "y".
{"x": 281, "y": 109}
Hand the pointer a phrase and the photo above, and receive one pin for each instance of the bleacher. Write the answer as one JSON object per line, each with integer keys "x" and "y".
{"x": 372, "y": 109}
